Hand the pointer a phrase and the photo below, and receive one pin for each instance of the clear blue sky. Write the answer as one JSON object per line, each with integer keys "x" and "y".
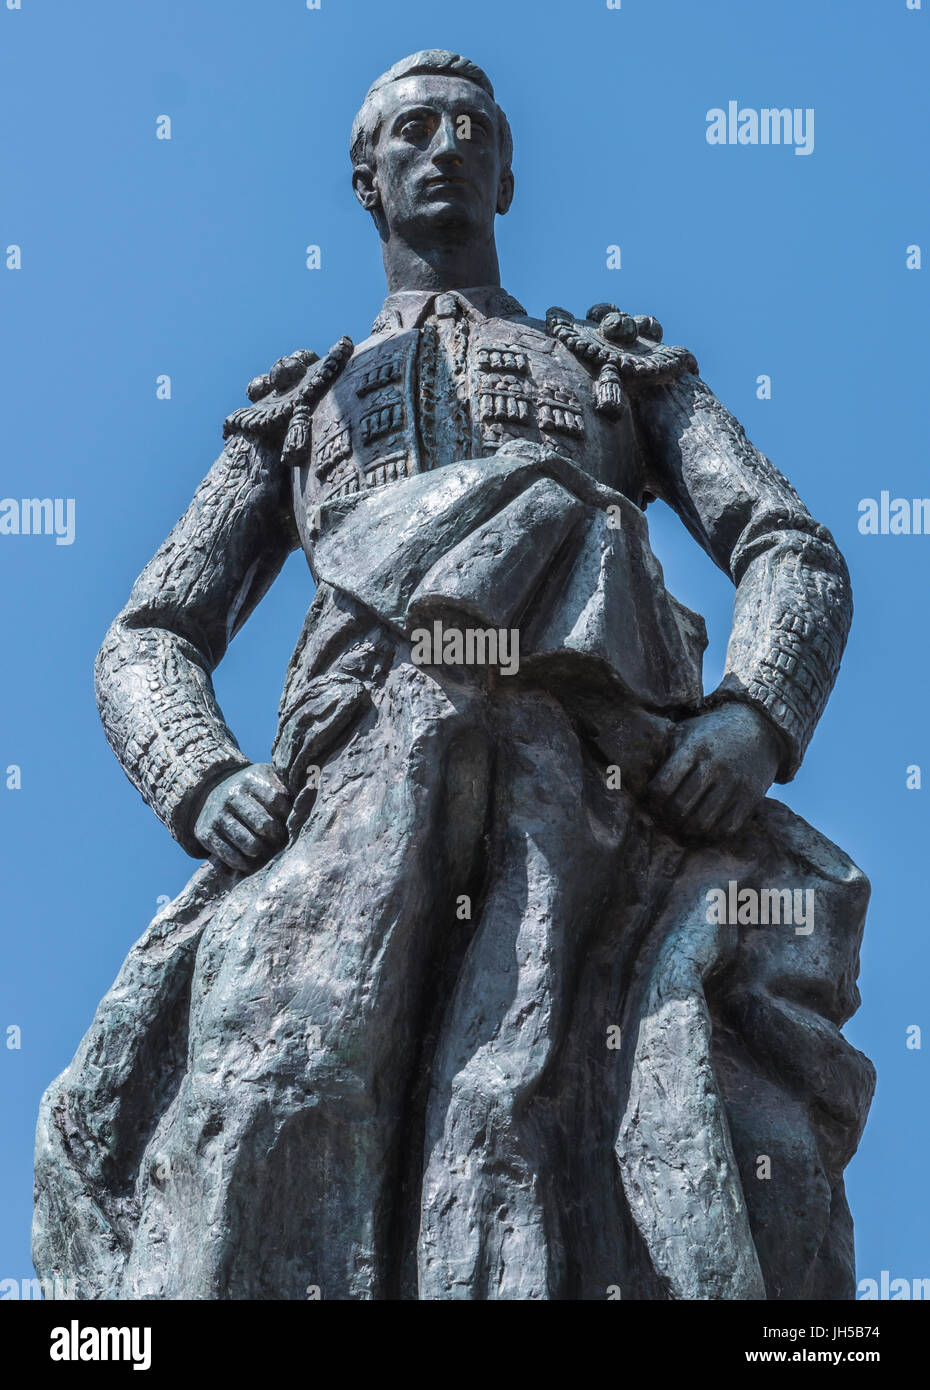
{"x": 142, "y": 257}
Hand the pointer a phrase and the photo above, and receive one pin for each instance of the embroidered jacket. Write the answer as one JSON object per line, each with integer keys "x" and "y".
{"x": 582, "y": 422}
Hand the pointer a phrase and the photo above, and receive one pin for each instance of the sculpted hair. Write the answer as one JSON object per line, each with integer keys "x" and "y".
{"x": 435, "y": 61}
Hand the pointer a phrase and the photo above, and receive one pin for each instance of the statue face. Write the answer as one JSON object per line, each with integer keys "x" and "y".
{"x": 437, "y": 166}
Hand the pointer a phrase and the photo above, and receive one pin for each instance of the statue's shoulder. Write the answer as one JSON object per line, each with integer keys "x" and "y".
{"x": 614, "y": 343}
{"x": 283, "y": 398}
{"x": 624, "y": 353}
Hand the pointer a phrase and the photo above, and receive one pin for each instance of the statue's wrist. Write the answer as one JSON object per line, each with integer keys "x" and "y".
{"x": 770, "y": 741}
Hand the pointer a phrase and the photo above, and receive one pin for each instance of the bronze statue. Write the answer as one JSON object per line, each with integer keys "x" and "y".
{"x": 490, "y": 987}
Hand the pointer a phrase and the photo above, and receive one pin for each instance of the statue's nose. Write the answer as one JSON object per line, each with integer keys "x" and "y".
{"x": 446, "y": 148}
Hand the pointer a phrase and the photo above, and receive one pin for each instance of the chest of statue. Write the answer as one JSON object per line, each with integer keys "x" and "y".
{"x": 412, "y": 401}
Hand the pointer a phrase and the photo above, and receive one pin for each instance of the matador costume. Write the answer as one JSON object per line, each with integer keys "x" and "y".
{"x": 328, "y": 1077}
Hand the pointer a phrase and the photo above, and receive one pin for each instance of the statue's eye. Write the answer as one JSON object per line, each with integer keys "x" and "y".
{"x": 415, "y": 131}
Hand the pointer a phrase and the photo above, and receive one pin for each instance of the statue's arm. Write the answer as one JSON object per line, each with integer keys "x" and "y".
{"x": 793, "y": 603}
{"x": 153, "y": 671}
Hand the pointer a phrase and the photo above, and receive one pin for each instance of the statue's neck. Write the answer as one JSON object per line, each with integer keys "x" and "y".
{"x": 439, "y": 267}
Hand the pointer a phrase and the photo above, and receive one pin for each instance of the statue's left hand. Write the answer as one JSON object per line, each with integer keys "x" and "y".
{"x": 720, "y": 768}
{"x": 244, "y": 818}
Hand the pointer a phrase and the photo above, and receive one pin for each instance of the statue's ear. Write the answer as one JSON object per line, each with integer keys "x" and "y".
{"x": 505, "y": 193}
{"x": 366, "y": 187}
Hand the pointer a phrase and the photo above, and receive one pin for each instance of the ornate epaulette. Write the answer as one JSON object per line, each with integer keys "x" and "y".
{"x": 623, "y": 350}
{"x": 285, "y": 397}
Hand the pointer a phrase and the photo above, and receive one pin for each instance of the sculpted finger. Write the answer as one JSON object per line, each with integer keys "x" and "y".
{"x": 232, "y": 830}
{"x": 270, "y": 791}
{"x": 736, "y": 816}
{"x": 689, "y": 794}
{"x": 250, "y": 811}
{"x": 671, "y": 774}
{"x": 716, "y": 802}
{"x": 225, "y": 852}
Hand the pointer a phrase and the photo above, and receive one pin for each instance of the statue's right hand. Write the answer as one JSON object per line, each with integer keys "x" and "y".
{"x": 243, "y": 820}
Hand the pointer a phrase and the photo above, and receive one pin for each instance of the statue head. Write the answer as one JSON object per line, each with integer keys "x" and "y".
{"x": 431, "y": 151}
